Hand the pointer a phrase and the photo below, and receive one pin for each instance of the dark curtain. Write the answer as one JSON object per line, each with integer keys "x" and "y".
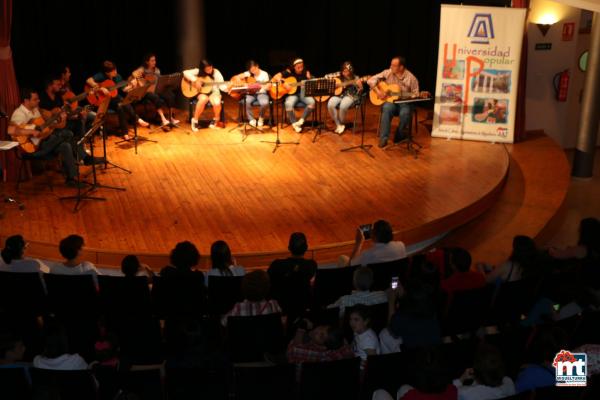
{"x": 522, "y": 83}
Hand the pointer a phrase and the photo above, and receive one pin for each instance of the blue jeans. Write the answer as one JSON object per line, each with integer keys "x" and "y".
{"x": 344, "y": 104}
{"x": 263, "y": 102}
{"x": 59, "y": 143}
{"x": 388, "y": 111}
{"x": 293, "y": 99}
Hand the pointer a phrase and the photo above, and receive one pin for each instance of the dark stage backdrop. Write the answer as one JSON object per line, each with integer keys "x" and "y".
{"x": 324, "y": 33}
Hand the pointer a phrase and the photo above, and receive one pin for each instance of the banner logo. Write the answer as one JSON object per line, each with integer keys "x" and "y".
{"x": 482, "y": 29}
{"x": 570, "y": 368}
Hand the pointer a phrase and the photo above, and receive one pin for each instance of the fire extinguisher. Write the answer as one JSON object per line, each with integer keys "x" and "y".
{"x": 561, "y": 85}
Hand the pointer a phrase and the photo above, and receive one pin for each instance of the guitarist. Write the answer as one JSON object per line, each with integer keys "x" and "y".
{"x": 260, "y": 76}
{"x": 125, "y": 112}
{"x": 298, "y": 71}
{"x": 50, "y": 100}
{"x": 57, "y": 143}
{"x": 208, "y": 72}
{"x": 397, "y": 74}
{"x": 349, "y": 96}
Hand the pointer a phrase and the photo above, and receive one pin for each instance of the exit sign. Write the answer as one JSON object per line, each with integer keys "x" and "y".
{"x": 543, "y": 46}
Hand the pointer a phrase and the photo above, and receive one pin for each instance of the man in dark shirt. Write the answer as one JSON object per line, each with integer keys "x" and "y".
{"x": 291, "y": 277}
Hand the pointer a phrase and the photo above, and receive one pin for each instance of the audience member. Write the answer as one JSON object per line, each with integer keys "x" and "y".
{"x": 12, "y": 257}
{"x": 316, "y": 344}
{"x": 255, "y": 289}
{"x": 384, "y": 249}
{"x": 56, "y": 351}
{"x": 131, "y": 267}
{"x": 486, "y": 380}
{"x": 363, "y": 280}
{"x": 184, "y": 258}
{"x": 366, "y": 342}
{"x": 291, "y": 277}
{"x": 70, "y": 248}
{"x": 223, "y": 263}
{"x": 522, "y": 263}
{"x": 462, "y": 278}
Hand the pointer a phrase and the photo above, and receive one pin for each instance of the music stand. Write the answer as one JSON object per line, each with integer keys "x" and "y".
{"x": 277, "y": 142}
{"x": 364, "y": 147}
{"x": 89, "y": 135}
{"x": 135, "y": 94}
{"x": 317, "y": 88}
{"x": 165, "y": 83}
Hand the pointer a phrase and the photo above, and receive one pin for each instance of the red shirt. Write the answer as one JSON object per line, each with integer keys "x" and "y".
{"x": 463, "y": 281}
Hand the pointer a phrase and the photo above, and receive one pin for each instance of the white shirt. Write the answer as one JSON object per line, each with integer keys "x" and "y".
{"x": 367, "y": 340}
{"x": 477, "y": 391}
{"x": 262, "y": 77}
{"x": 380, "y": 253}
{"x": 85, "y": 268}
{"x": 367, "y": 298}
{"x": 22, "y": 115}
{"x": 236, "y": 270}
{"x": 192, "y": 75}
{"x": 24, "y": 265}
{"x": 65, "y": 362}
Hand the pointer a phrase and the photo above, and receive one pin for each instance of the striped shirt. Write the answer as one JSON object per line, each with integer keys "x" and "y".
{"x": 248, "y": 308}
{"x": 407, "y": 81}
{"x": 310, "y": 352}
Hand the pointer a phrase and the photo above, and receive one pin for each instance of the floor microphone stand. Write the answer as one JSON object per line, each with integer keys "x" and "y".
{"x": 277, "y": 141}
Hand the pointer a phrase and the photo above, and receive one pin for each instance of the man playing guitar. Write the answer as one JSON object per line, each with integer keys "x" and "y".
{"x": 397, "y": 74}
{"x": 257, "y": 75}
{"x": 206, "y": 73}
{"x": 57, "y": 142}
{"x": 297, "y": 71}
{"x": 109, "y": 72}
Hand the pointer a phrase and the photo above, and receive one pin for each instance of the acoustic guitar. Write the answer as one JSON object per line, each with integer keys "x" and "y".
{"x": 339, "y": 86}
{"x": 96, "y": 96}
{"x": 392, "y": 93}
{"x": 240, "y": 88}
{"x": 287, "y": 85}
{"x": 45, "y": 124}
{"x": 204, "y": 85}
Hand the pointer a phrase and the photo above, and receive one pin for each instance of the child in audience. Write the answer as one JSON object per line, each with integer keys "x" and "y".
{"x": 366, "y": 342}
{"x": 131, "y": 267}
{"x": 316, "y": 344}
{"x": 223, "y": 263}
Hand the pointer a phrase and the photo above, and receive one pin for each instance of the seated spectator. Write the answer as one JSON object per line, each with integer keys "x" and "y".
{"x": 384, "y": 249}
{"x": 12, "y": 258}
{"x": 223, "y": 264}
{"x": 184, "y": 258}
{"x": 70, "y": 248}
{"x": 462, "y": 277}
{"x": 429, "y": 380}
{"x": 255, "y": 289}
{"x": 522, "y": 263}
{"x": 363, "y": 280}
{"x": 413, "y": 316}
{"x": 425, "y": 271}
{"x": 486, "y": 380}
{"x": 539, "y": 372}
{"x": 291, "y": 277}
{"x": 317, "y": 344}
{"x": 56, "y": 351}
{"x": 366, "y": 342}
{"x": 131, "y": 267}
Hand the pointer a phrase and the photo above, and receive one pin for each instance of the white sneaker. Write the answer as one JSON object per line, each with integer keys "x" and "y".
{"x": 194, "y": 125}
{"x": 142, "y": 123}
{"x": 213, "y": 124}
{"x": 340, "y": 129}
{"x": 261, "y": 122}
{"x": 297, "y": 128}
{"x": 298, "y": 124}
{"x": 252, "y": 123}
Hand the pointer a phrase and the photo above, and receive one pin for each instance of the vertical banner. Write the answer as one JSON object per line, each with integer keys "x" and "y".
{"x": 478, "y": 70}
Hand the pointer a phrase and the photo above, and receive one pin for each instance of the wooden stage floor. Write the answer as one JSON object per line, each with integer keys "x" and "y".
{"x": 213, "y": 185}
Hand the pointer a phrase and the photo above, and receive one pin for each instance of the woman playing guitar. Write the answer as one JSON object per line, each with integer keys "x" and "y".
{"x": 349, "y": 91}
{"x": 254, "y": 74}
{"x": 203, "y": 77}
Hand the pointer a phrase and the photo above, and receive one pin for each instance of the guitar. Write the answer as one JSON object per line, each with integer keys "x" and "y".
{"x": 96, "y": 96}
{"x": 73, "y": 100}
{"x": 392, "y": 93}
{"x": 339, "y": 86}
{"x": 238, "y": 89}
{"x": 287, "y": 85}
{"x": 45, "y": 124}
{"x": 203, "y": 84}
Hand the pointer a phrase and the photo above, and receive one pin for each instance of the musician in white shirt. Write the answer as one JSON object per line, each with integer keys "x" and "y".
{"x": 207, "y": 70}
{"x": 260, "y": 76}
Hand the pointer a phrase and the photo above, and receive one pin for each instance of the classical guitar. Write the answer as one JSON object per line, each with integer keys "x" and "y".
{"x": 45, "y": 124}
{"x": 339, "y": 86}
{"x": 73, "y": 100}
{"x": 287, "y": 85}
{"x": 392, "y": 93}
{"x": 238, "y": 89}
{"x": 204, "y": 85}
{"x": 96, "y": 96}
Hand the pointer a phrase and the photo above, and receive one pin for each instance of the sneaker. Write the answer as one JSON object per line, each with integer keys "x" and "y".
{"x": 174, "y": 121}
{"x": 252, "y": 123}
{"x": 194, "y": 124}
{"x": 298, "y": 124}
{"x": 340, "y": 129}
{"x": 215, "y": 125}
{"x": 297, "y": 128}
{"x": 261, "y": 122}
{"x": 142, "y": 123}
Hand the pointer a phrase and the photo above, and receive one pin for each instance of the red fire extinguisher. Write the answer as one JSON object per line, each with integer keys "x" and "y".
{"x": 561, "y": 85}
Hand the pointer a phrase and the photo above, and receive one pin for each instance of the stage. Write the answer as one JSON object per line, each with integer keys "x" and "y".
{"x": 212, "y": 185}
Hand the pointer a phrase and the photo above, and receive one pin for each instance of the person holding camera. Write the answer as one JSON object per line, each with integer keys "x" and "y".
{"x": 384, "y": 249}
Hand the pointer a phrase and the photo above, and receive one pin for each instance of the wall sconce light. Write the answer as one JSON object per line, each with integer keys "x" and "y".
{"x": 544, "y": 28}
{"x": 545, "y": 22}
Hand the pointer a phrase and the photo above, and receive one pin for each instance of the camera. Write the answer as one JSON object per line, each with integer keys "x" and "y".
{"x": 366, "y": 230}
{"x": 394, "y": 282}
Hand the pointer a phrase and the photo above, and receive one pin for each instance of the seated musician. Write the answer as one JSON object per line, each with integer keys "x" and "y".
{"x": 79, "y": 122}
{"x": 349, "y": 96}
{"x": 57, "y": 143}
{"x": 51, "y": 100}
{"x": 150, "y": 73}
{"x": 260, "y": 76}
{"x": 109, "y": 72}
{"x": 397, "y": 74}
{"x": 207, "y": 72}
{"x": 298, "y": 71}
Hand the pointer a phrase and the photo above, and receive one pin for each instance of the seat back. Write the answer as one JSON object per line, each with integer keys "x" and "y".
{"x": 383, "y": 273}
{"x": 22, "y": 293}
{"x": 268, "y": 383}
{"x": 120, "y": 296}
{"x": 332, "y": 283}
{"x": 14, "y": 384}
{"x": 385, "y": 371}
{"x": 198, "y": 383}
{"x": 330, "y": 380}
{"x": 179, "y": 296}
{"x": 223, "y": 293}
{"x": 63, "y": 385}
{"x": 248, "y": 338}
{"x": 71, "y": 295}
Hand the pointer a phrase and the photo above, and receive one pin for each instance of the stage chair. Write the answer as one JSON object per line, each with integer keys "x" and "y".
{"x": 386, "y": 371}
{"x": 52, "y": 384}
{"x": 331, "y": 284}
{"x": 192, "y": 107}
{"x": 330, "y": 380}
{"x": 243, "y": 118}
{"x": 271, "y": 382}
{"x": 25, "y": 160}
{"x": 383, "y": 273}
{"x": 412, "y": 126}
{"x": 249, "y": 338}
{"x": 223, "y": 293}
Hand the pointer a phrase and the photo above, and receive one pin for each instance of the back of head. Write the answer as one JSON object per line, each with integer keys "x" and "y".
{"x": 256, "y": 285}
{"x": 460, "y": 259}
{"x": 430, "y": 372}
{"x": 55, "y": 340}
{"x": 298, "y": 244}
{"x": 418, "y": 301}
{"x": 70, "y": 246}
{"x": 14, "y": 247}
{"x": 220, "y": 257}
{"x": 488, "y": 366}
{"x": 382, "y": 232}
{"x": 524, "y": 252}
{"x": 130, "y": 265}
{"x": 363, "y": 278}
{"x": 184, "y": 256}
